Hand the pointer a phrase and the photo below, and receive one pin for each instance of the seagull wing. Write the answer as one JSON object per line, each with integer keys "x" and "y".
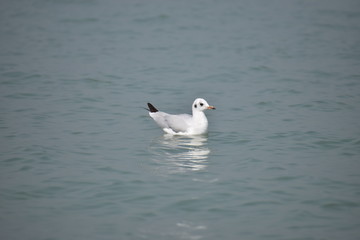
{"x": 160, "y": 118}
{"x": 178, "y": 123}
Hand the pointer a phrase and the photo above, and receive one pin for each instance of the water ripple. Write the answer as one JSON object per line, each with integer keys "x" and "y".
{"x": 179, "y": 154}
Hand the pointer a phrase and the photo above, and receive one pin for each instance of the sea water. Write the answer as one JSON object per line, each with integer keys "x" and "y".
{"x": 81, "y": 159}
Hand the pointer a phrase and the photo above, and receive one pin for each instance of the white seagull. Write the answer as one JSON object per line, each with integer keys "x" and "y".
{"x": 183, "y": 124}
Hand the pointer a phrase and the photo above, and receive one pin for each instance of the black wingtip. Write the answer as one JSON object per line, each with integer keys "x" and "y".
{"x": 152, "y": 108}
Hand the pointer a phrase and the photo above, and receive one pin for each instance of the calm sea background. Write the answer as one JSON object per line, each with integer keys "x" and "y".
{"x": 81, "y": 159}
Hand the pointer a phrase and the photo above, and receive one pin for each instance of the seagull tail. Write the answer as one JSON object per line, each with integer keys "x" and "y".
{"x": 152, "y": 108}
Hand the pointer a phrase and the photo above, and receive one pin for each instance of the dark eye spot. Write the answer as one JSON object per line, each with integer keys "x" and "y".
{"x": 201, "y": 104}
{"x": 195, "y": 106}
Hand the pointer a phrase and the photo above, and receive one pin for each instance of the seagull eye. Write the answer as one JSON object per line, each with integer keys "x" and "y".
{"x": 201, "y": 104}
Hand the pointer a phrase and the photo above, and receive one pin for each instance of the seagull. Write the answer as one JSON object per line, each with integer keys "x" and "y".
{"x": 183, "y": 124}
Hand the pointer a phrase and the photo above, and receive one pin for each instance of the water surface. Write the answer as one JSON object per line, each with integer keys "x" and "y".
{"x": 81, "y": 159}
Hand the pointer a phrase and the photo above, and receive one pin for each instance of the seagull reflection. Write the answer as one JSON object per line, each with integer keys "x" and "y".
{"x": 177, "y": 154}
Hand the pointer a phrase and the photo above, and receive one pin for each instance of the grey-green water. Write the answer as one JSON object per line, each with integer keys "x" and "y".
{"x": 81, "y": 159}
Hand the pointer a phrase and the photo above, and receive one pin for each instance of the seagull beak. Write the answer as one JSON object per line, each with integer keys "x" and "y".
{"x": 211, "y": 107}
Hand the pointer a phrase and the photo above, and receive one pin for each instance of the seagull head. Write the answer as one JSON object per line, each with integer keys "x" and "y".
{"x": 200, "y": 105}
